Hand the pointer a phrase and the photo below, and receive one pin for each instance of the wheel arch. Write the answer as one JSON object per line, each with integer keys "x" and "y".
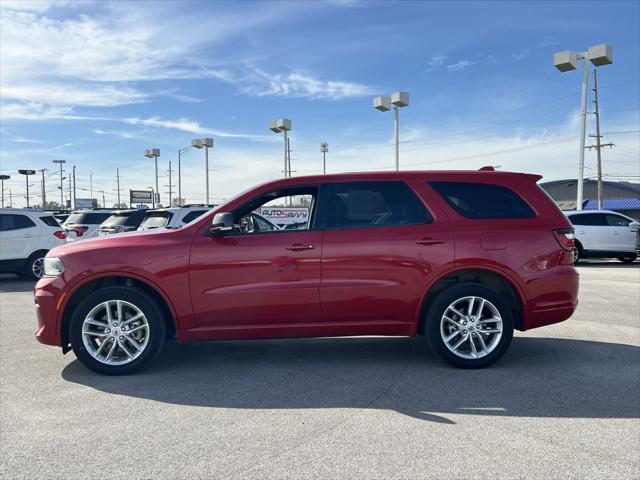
{"x": 107, "y": 280}
{"x": 491, "y": 278}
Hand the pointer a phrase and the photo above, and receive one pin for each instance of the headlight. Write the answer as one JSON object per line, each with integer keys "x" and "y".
{"x": 53, "y": 266}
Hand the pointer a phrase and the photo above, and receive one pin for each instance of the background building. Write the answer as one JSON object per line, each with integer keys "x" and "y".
{"x": 623, "y": 197}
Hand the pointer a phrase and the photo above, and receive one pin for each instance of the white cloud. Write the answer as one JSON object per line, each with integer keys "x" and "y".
{"x": 191, "y": 126}
{"x": 460, "y": 65}
{"x": 296, "y": 85}
{"x": 83, "y": 94}
{"x": 521, "y": 54}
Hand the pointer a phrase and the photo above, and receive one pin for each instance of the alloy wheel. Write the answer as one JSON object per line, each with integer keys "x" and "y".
{"x": 471, "y": 327}
{"x": 38, "y": 267}
{"x": 115, "y": 332}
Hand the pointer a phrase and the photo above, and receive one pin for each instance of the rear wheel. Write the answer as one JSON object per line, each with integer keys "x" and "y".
{"x": 627, "y": 258}
{"x": 117, "y": 330}
{"x": 577, "y": 252}
{"x": 469, "y": 325}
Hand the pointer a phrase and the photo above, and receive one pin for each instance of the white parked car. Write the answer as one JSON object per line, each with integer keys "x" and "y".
{"x": 83, "y": 224}
{"x": 604, "y": 234}
{"x": 25, "y": 238}
{"x": 172, "y": 217}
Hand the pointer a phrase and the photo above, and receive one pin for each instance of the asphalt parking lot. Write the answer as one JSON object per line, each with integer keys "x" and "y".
{"x": 563, "y": 403}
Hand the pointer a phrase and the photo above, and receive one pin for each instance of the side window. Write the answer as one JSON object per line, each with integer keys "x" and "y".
{"x": 591, "y": 219}
{"x": 617, "y": 221}
{"x": 287, "y": 209}
{"x": 483, "y": 200}
{"x": 373, "y": 204}
{"x": 15, "y": 222}
{"x": 51, "y": 221}
{"x": 192, "y": 215}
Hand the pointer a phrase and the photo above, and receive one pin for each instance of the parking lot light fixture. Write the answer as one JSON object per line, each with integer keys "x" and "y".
{"x": 383, "y": 104}
{"x": 207, "y": 143}
{"x": 2, "y": 179}
{"x": 26, "y": 173}
{"x": 154, "y": 153}
{"x": 567, "y": 61}
{"x": 283, "y": 125}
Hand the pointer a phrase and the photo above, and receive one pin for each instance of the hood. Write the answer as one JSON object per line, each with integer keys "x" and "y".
{"x": 125, "y": 239}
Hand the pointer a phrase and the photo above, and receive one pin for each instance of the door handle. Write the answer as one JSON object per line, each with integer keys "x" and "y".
{"x": 297, "y": 247}
{"x": 430, "y": 241}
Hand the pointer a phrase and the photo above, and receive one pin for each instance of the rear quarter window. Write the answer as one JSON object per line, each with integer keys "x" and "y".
{"x": 51, "y": 221}
{"x": 483, "y": 200}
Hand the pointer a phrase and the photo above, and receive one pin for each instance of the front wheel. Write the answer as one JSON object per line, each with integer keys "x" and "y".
{"x": 469, "y": 325}
{"x": 117, "y": 330}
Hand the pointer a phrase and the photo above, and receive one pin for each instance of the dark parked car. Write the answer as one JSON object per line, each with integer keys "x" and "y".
{"x": 121, "y": 221}
{"x": 462, "y": 257}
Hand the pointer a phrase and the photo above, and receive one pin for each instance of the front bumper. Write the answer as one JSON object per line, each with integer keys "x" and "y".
{"x": 49, "y": 297}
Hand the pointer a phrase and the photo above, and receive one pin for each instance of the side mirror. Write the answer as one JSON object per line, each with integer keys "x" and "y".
{"x": 222, "y": 222}
{"x": 633, "y": 226}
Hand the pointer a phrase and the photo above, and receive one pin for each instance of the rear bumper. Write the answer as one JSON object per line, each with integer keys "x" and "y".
{"x": 552, "y": 298}
{"x": 48, "y": 296}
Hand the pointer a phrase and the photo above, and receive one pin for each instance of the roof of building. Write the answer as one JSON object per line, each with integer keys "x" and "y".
{"x": 633, "y": 187}
{"x": 614, "y": 204}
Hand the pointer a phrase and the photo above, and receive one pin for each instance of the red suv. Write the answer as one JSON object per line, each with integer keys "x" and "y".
{"x": 463, "y": 257}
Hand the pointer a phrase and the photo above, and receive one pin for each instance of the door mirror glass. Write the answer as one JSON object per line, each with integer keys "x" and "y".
{"x": 222, "y": 222}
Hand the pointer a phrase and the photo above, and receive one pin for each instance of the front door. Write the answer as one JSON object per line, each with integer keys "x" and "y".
{"x": 381, "y": 249}
{"x": 264, "y": 273}
{"x": 622, "y": 238}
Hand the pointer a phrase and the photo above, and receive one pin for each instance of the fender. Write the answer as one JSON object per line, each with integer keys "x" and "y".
{"x": 504, "y": 274}
{"x": 74, "y": 288}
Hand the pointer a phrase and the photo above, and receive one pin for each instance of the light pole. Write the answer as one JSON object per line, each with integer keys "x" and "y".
{"x": 60, "y": 162}
{"x": 26, "y": 173}
{"x": 207, "y": 143}
{"x": 283, "y": 125}
{"x": 565, "y": 62}
{"x": 398, "y": 100}
{"x": 2, "y": 179}
{"x": 324, "y": 148}
{"x": 154, "y": 153}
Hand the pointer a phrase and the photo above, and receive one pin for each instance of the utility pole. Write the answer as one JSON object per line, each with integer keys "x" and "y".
{"x": 170, "y": 186}
{"x": 104, "y": 202}
{"x": 598, "y": 146}
{"x": 70, "y": 192}
{"x": 324, "y": 148}
{"x": 118, "y": 184}
{"x": 75, "y": 198}
{"x": 91, "y": 187}
{"x": 44, "y": 189}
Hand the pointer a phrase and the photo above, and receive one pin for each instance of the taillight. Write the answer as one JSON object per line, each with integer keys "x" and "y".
{"x": 61, "y": 234}
{"x": 565, "y": 238}
{"x": 80, "y": 230}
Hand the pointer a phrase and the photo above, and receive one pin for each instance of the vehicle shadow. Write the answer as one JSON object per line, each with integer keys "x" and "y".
{"x": 605, "y": 264}
{"x": 13, "y": 283}
{"x": 539, "y": 377}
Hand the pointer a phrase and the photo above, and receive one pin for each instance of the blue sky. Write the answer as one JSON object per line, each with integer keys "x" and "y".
{"x": 96, "y": 83}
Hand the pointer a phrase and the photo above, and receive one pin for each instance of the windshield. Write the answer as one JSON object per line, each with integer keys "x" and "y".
{"x": 155, "y": 220}
{"x": 116, "y": 220}
{"x": 87, "y": 218}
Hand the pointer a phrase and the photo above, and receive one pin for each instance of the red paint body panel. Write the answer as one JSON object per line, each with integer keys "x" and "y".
{"x": 351, "y": 282}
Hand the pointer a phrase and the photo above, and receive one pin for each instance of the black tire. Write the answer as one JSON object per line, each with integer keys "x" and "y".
{"x": 148, "y": 306}
{"x": 29, "y": 270}
{"x": 577, "y": 252}
{"x": 627, "y": 258}
{"x": 440, "y": 305}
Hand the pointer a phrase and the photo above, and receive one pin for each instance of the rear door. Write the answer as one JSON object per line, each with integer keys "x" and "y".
{"x": 382, "y": 246}
{"x": 591, "y": 230}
